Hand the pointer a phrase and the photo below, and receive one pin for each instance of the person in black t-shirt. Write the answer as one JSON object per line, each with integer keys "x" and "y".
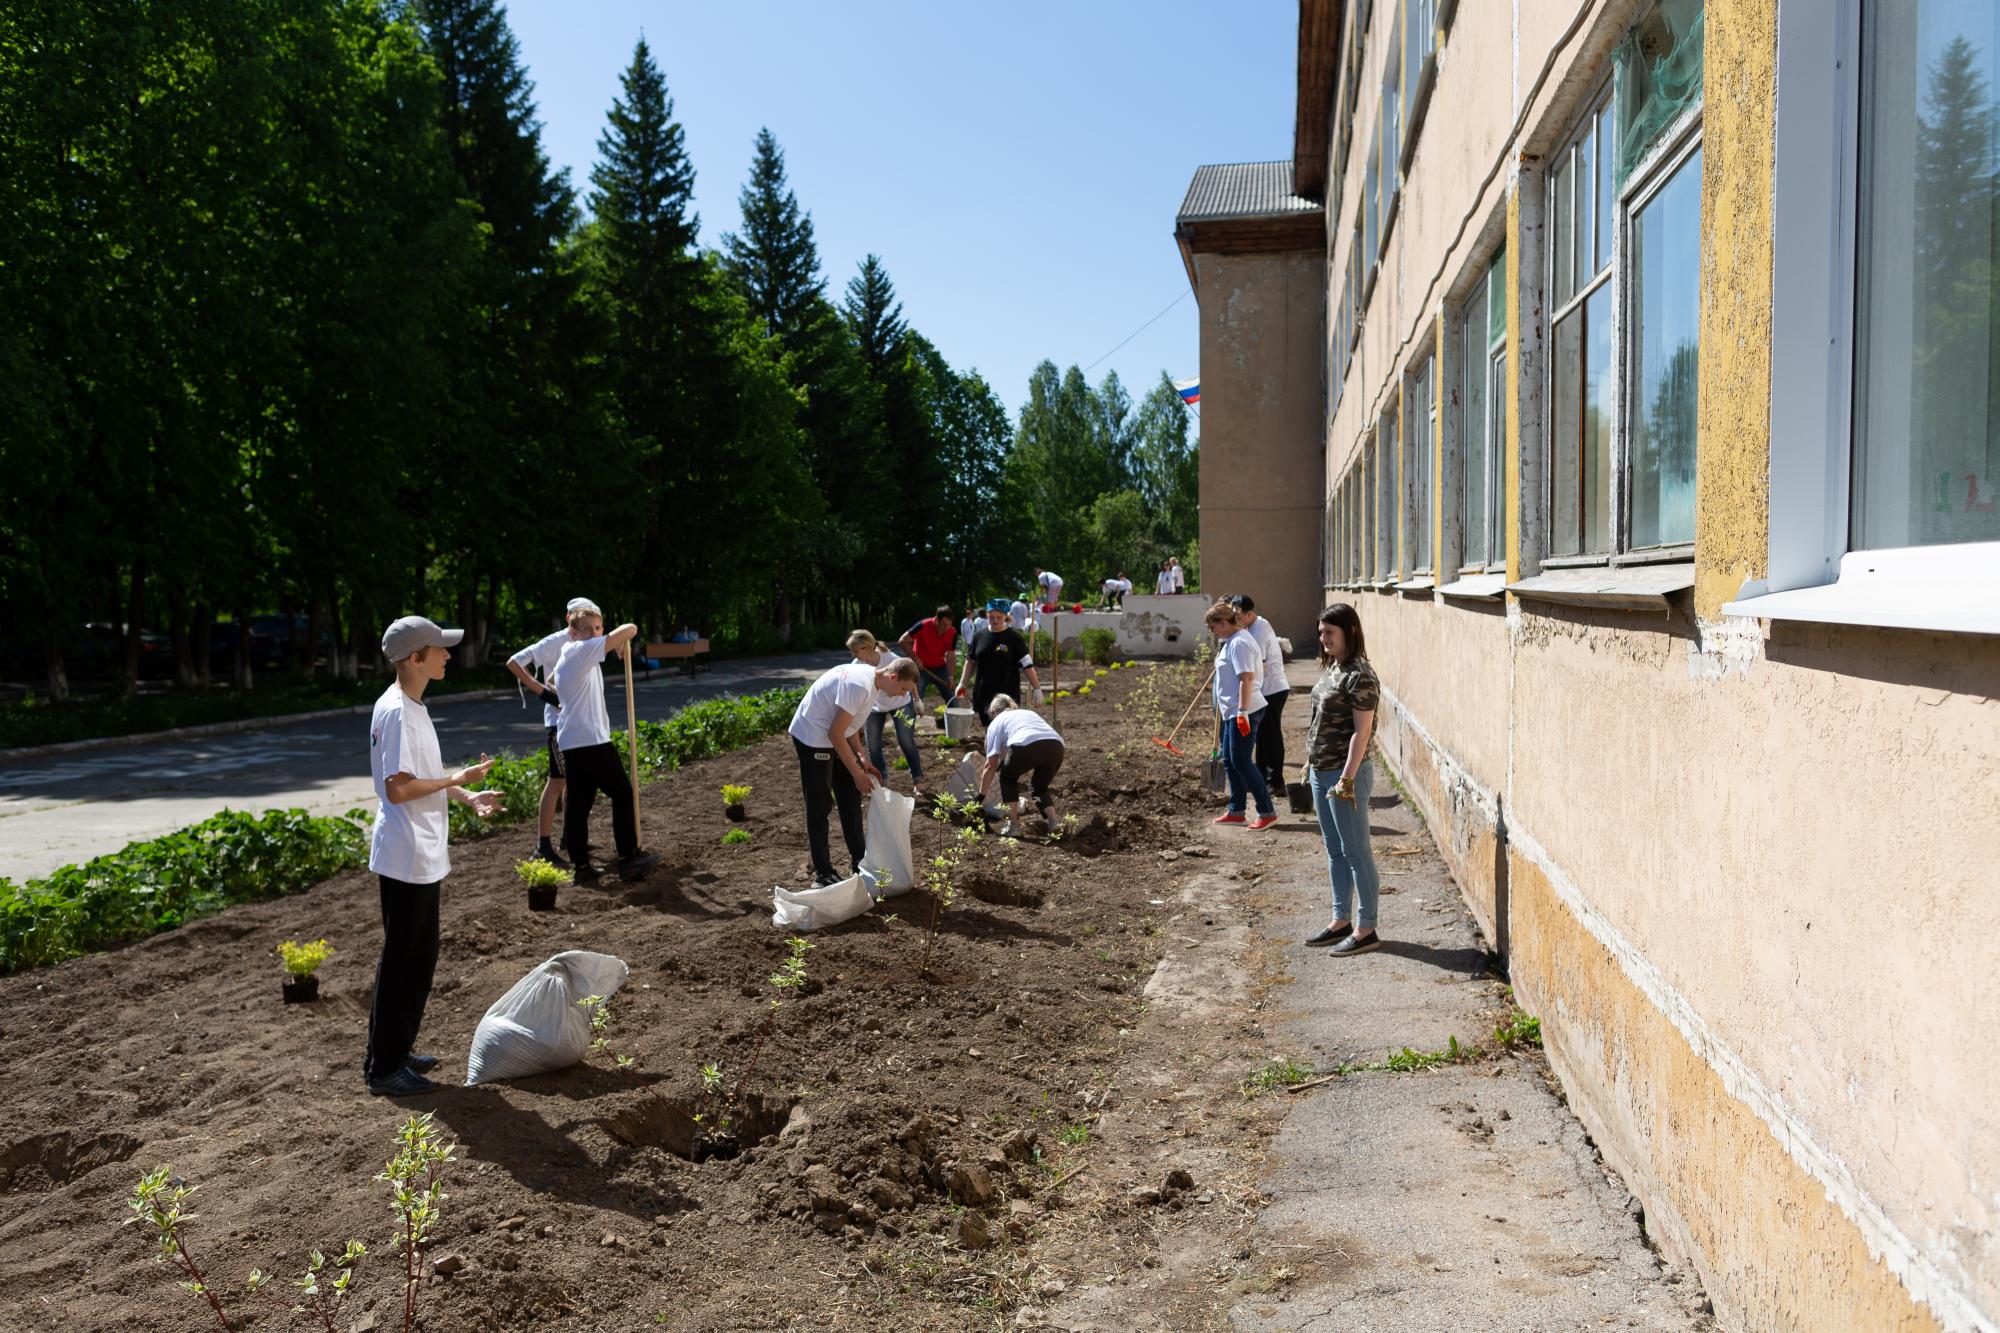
{"x": 994, "y": 661}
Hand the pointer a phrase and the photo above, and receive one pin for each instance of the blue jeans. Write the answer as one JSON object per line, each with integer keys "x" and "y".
{"x": 906, "y": 737}
{"x": 1350, "y": 861}
{"x": 938, "y": 676}
{"x": 1243, "y": 774}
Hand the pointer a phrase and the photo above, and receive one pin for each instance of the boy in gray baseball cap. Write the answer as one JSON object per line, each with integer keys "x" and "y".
{"x": 408, "y": 852}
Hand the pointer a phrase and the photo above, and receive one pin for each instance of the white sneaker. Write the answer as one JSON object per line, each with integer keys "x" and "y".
{"x": 1010, "y": 829}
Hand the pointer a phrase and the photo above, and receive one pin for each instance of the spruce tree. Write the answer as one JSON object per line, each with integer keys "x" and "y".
{"x": 874, "y": 313}
{"x": 774, "y": 258}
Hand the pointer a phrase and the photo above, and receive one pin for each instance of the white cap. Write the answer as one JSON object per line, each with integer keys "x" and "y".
{"x": 414, "y": 632}
{"x": 577, "y": 604}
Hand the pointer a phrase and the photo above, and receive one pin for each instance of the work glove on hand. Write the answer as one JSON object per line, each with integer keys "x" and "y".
{"x": 549, "y": 698}
{"x": 1039, "y": 696}
{"x": 1242, "y": 725}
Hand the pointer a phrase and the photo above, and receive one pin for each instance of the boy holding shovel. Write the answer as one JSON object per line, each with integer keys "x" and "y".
{"x": 590, "y": 760}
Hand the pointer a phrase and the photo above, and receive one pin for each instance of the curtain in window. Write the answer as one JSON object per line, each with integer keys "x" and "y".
{"x": 1657, "y": 71}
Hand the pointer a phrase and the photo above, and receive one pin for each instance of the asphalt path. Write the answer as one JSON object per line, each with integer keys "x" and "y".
{"x": 60, "y": 809}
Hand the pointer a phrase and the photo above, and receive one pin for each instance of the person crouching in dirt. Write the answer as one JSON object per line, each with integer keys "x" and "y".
{"x": 994, "y": 661}
{"x": 899, "y": 708}
{"x": 833, "y": 771}
{"x": 407, "y": 851}
{"x": 1020, "y": 743}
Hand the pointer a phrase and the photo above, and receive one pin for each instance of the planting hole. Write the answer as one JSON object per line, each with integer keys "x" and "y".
{"x": 721, "y": 1131}
{"x": 1000, "y": 893}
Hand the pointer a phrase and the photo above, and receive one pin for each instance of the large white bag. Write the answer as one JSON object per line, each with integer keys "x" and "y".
{"x": 888, "y": 862}
{"x": 538, "y": 1026}
{"x": 816, "y": 909}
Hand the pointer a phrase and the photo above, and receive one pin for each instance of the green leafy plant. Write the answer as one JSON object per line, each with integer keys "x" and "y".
{"x": 1098, "y": 645}
{"x": 415, "y": 1175}
{"x": 538, "y": 873}
{"x": 1409, "y": 1059}
{"x": 1520, "y": 1029}
{"x": 941, "y": 876}
{"x": 1074, "y": 1135}
{"x": 711, "y": 1076}
{"x": 302, "y": 960}
{"x": 1280, "y": 1071}
{"x": 736, "y": 837}
{"x": 789, "y": 981}
{"x": 733, "y": 794}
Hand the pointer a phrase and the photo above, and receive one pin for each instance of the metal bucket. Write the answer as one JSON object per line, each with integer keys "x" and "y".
{"x": 958, "y": 723}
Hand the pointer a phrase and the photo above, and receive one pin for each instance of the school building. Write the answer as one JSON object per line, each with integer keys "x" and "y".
{"x": 1639, "y": 362}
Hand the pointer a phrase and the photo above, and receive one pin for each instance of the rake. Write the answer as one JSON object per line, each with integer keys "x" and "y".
{"x": 1168, "y": 743}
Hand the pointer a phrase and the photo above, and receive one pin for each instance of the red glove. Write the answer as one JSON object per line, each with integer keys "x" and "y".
{"x": 1242, "y": 725}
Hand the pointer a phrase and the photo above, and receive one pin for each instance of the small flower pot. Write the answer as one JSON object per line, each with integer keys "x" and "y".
{"x": 542, "y": 900}
{"x": 301, "y": 990}
{"x": 736, "y": 813}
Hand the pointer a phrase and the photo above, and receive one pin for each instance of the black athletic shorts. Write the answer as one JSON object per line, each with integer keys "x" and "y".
{"x": 556, "y": 772}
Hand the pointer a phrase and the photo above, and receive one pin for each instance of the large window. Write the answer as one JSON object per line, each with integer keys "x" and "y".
{"x": 1419, "y": 408}
{"x": 1420, "y": 24}
{"x": 1385, "y": 495}
{"x": 1480, "y": 456}
{"x": 1926, "y": 462}
{"x": 1624, "y": 257}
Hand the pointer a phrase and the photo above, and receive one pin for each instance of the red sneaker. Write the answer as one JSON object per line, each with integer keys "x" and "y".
{"x": 1262, "y": 821}
{"x": 1228, "y": 817}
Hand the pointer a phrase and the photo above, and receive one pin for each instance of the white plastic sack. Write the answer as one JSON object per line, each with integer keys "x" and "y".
{"x": 888, "y": 862}
{"x": 963, "y": 784}
{"x": 538, "y": 1026}
{"x": 816, "y": 909}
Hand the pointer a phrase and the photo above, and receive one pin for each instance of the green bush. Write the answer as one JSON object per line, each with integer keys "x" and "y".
{"x": 158, "y": 884}
{"x": 1099, "y": 646}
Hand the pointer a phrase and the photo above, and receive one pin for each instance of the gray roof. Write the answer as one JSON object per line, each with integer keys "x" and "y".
{"x": 1242, "y": 190}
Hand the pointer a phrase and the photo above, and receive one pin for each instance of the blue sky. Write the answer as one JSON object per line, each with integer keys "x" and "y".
{"x": 1016, "y": 166}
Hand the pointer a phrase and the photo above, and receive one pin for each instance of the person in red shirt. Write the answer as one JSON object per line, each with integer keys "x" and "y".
{"x": 931, "y": 642}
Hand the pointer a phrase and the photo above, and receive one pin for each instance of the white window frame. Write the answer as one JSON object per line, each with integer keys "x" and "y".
{"x": 1388, "y": 491}
{"x": 1462, "y": 435}
{"x": 1812, "y": 572}
{"x": 1417, "y": 83}
{"x": 1418, "y": 545}
{"x": 1665, "y": 157}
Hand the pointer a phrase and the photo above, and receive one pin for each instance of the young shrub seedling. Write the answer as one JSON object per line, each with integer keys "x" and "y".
{"x": 302, "y": 960}
{"x": 539, "y": 874}
{"x": 599, "y": 1009}
{"x": 735, "y": 793}
{"x": 415, "y": 1176}
{"x": 941, "y": 878}
{"x": 156, "y": 1201}
{"x": 789, "y": 981}
{"x": 736, "y": 837}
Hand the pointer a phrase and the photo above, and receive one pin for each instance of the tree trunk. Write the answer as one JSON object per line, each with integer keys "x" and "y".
{"x": 242, "y": 674}
{"x": 308, "y": 655}
{"x": 336, "y": 653}
{"x": 360, "y": 627}
{"x": 179, "y": 627}
{"x": 468, "y": 611}
{"x": 52, "y": 657}
{"x": 135, "y": 615}
{"x": 782, "y": 618}
{"x": 204, "y": 641}
{"x": 489, "y": 623}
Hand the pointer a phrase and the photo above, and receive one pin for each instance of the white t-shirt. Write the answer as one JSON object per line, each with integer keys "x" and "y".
{"x": 888, "y": 703}
{"x": 1018, "y": 615}
{"x": 1017, "y": 726}
{"x": 850, "y": 687}
{"x": 582, "y": 719}
{"x": 1237, "y": 656}
{"x": 1180, "y": 578}
{"x": 1117, "y": 586}
{"x": 545, "y": 653}
{"x": 1164, "y": 584}
{"x": 1272, "y": 681}
{"x": 1051, "y": 584}
{"x": 409, "y": 839}
{"x": 968, "y": 627}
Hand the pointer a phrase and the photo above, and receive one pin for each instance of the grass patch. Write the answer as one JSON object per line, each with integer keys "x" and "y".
{"x": 1280, "y": 1071}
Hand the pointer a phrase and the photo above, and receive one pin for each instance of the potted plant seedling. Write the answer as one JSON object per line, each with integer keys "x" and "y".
{"x": 542, "y": 879}
{"x": 732, "y": 801}
{"x": 301, "y": 961}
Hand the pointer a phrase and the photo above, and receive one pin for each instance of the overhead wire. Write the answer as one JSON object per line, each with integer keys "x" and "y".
{"x": 1135, "y": 333}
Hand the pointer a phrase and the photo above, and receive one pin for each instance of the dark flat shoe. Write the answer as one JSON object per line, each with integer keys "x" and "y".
{"x": 1329, "y": 936}
{"x": 423, "y": 1064}
{"x": 1354, "y": 944}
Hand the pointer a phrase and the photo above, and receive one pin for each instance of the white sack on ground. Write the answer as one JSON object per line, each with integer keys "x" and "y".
{"x": 963, "y": 784}
{"x": 816, "y": 909}
{"x": 538, "y": 1026}
{"x": 888, "y": 861}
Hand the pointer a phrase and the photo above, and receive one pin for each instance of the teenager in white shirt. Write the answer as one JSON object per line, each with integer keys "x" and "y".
{"x": 832, "y": 769}
{"x": 899, "y": 708}
{"x": 543, "y": 655}
{"x": 407, "y": 850}
{"x": 1115, "y": 589}
{"x": 1020, "y": 743}
{"x": 1163, "y": 582}
{"x": 1238, "y": 668}
{"x": 1180, "y": 575}
{"x": 1021, "y": 616}
{"x": 1051, "y": 585}
{"x": 589, "y": 759}
{"x": 1270, "y": 732}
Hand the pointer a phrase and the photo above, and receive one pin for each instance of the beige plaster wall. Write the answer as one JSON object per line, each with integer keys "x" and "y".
{"x": 1263, "y": 474}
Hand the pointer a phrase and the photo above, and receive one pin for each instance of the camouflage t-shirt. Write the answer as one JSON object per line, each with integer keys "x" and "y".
{"x": 1342, "y": 690}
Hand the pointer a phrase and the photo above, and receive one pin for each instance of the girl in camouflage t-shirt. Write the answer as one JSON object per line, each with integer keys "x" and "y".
{"x": 1339, "y": 735}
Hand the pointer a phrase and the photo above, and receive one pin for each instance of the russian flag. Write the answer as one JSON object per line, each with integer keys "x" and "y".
{"x": 1189, "y": 390}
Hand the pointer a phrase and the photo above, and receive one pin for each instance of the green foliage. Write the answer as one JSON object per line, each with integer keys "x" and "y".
{"x": 736, "y": 837}
{"x": 415, "y": 1175}
{"x": 1520, "y": 1029}
{"x": 1074, "y": 1135}
{"x": 538, "y": 873}
{"x": 711, "y": 727}
{"x": 160, "y": 883}
{"x": 302, "y": 960}
{"x": 1280, "y": 1071}
{"x": 733, "y": 794}
{"x": 1099, "y": 646}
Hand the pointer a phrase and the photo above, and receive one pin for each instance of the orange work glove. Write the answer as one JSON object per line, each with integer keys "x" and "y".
{"x": 1242, "y": 725}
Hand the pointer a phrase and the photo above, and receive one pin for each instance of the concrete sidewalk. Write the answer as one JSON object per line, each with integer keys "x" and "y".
{"x": 1465, "y": 1196}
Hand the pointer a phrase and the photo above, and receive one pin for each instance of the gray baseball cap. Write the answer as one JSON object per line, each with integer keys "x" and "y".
{"x": 414, "y": 632}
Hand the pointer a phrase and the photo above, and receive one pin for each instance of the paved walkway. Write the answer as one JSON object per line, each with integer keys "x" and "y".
{"x": 68, "y": 808}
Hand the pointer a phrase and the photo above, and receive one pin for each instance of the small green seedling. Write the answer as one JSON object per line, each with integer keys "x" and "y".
{"x": 415, "y": 1176}
{"x": 736, "y": 837}
{"x": 1280, "y": 1071}
{"x": 734, "y": 794}
{"x": 537, "y": 873}
{"x": 1074, "y": 1135}
{"x": 711, "y": 1076}
{"x": 302, "y": 960}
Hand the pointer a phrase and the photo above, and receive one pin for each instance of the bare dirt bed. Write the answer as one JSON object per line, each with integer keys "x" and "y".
{"x": 932, "y": 1128}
